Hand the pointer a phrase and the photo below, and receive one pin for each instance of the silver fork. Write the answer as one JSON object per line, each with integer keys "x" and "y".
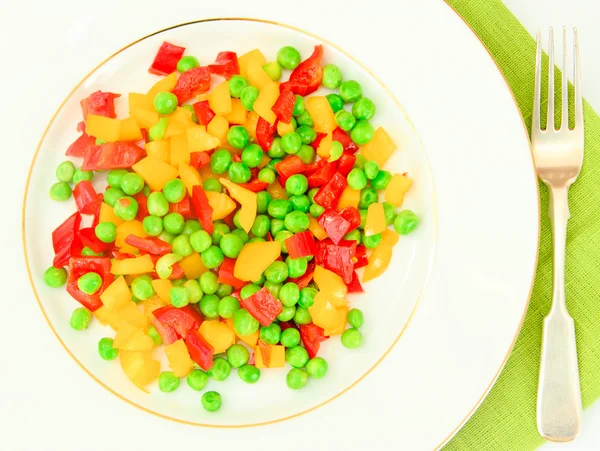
{"x": 558, "y": 158}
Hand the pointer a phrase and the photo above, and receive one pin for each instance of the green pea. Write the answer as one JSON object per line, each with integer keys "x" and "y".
{"x": 187, "y": 63}
{"x": 89, "y": 282}
{"x": 273, "y": 163}
{"x": 276, "y": 226}
{"x": 65, "y": 172}
{"x": 236, "y": 85}
{"x": 146, "y": 190}
{"x": 220, "y": 230}
{"x": 179, "y": 296}
{"x": 406, "y": 222}
{"x": 363, "y": 109}
{"x": 191, "y": 226}
{"x": 362, "y": 133}
{"x": 381, "y": 180}
{"x": 157, "y": 131}
{"x": 296, "y": 356}
{"x": 355, "y": 318}
{"x": 158, "y": 205}
{"x": 316, "y": 210}
{"x": 290, "y": 337}
{"x": 296, "y": 221}
{"x": 353, "y": 236}
{"x": 60, "y": 191}
{"x": 357, "y": 179}
{"x": 55, "y": 277}
{"x": 289, "y": 294}
{"x": 335, "y": 101}
{"x": 197, "y": 380}
{"x": 167, "y": 382}
{"x": 126, "y": 208}
{"x": 80, "y": 318}
{"x": 106, "y": 232}
{"x": 337, "y": 149}
{"x": 368, "y": 196}
{"x": 141, "y": 287}
{"x": 154, "y": 335}
{"x": 106, "y": 349}
{"x": 237, "y": 355}
{"x": 181, "y": 245}
{"x": 249, "y": 290}
{"x": 231, "y": 245}
{"x": 252, "y": 155}
{"x": 279, "y": 208}
{"x": 80, "y": 176}
{"x": 153, "y": 225}
{"x": 209, "y": 306}
{"x": 111, "y": 195}
{"x": 300, "y": 203}
{"x": 345, "y": 120}
{"x": 296, "y": 379}
{"x": 239, "y": 173}
{"x": 174, "y": 223}
{"x": 307, "y": 297}
{"x": 209, "y": 282}
{"x": 261, "y": 226}
{"x": 298, "y": 106}
{"x": 351, "y": 338}
{"x": 266, "y": 175}
{"x": 195, "y": 291}
{"x": 305, "y": 119}
{"x": 114, "y": 177}
{"x": 282, "y": 236}
{"x": 276, "y": 150}
{"x": 87, "y": 252}
{"x": 220, "y": 161}
{"x": 287, "y": 313}
{"x": 248, "y": 96}
{"x": 174, "y": 190}
{"x": 244, "y": 323}
{"x": 273, "y": 288}
{"x": 350, "y": 91}
{"x": 166, "y": 237}
{"x": 291, "y": 142}
{"x": 211, "y": 401}
{"x": 165, "y": 102}
{"x": 296, "y": 184}
{"x": 371, "y": 169}
{"x": 288, "y": 57}
{"x": 220, "y": 369}
{"x": 389, "y": 212}
{"x": 224, "y": 290}
{"x": 249, "y": 374}
{"x": 332, "y": 76}
{"x": 372, "y": 241}
{"x": 316, "y": 367}
{"x": 307, "y": 134}
{"x": 306, "y": 154}
{"x": 212, "y": 257}
{"x": 212, "y": 184}
{"x": 270, "y": 334}
{"x": 238, "y": 136}
{"x": 360, "y": 161}
{"x": 273, "y": 70}
{"x": 200, "y": 241}
{"x": 302, "y": 316}
{"x": 228, "y": 305}
{"x": 277, "y": 272}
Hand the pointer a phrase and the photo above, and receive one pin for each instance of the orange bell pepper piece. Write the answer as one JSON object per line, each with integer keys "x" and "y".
{"x": 189, "y": 176}
{"x": 349, "y": 198}
{"x": 218, "y": 335}
{"x": 164, "y": 84}
{"x": 266, "y": 99}
{"x": 107, "y": 214}
{"x": 155, "y": 172}
{"x": 397, "y": 188}
{"x": 199, "y": 139}
{"x": 381, "y": 256}
{"x": 316, "y": 229}
{"x": 218, "y": 127}
{"x": 252, "y": 55}
{"x": 221, "y": 204}
{"x": 180, "y": 151}
{"x": 163, "y": 289}
{"x": 238, "y": 114}
{"x": 219, "y": 99}
{"x": 192, "y": 266}
{"x": 324, "y": 149}
{"x": 321, "y": 113}
{"x": 159, "y": 150}
{"x": 375, "y": 222}
{"x": 257, "y": 75}
{"x": 247, "y": 200}
{"x": 129, "y": 130}
{"x": 380, "y": 148}
{"x": 105, "y": 128}
{"x": 255, "y": 258}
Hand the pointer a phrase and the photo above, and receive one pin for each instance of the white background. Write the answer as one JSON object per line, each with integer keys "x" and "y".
{"x": 41, "y": 38}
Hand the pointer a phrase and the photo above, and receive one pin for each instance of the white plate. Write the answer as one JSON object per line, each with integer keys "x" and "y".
{"x": 473, "y": 305}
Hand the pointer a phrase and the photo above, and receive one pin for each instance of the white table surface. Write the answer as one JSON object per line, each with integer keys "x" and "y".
{"x": 63, "y": 23}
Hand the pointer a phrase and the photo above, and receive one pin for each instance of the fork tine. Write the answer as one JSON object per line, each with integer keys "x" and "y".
{"x": 577, "y": 82}
{"x": 564, "y": 123}
{"x": 537, "y": 94}
{"x": 550, "y": 119}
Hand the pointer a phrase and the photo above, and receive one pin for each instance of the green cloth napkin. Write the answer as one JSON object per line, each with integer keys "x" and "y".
{"x": 506, "y": 420}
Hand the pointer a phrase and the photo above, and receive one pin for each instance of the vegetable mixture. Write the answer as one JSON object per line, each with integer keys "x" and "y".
{"x": 233, "y": 220}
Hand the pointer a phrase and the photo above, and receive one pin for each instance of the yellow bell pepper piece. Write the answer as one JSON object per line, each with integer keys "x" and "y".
{"x": 257, "y": 75}
{"x": 253, "y": 55}
{"x": 105, "y": 128}
{"x": 324, "y": 149}
{"x": 174, "y": 129}
{"x": 189, "y": 176}
{"x": 107, "y": 214}
{"x": 131, "y": 338}
{"x": 321, "y": 113}
{"x": 149, "y": 305}
{"x": 258, "y": 358}
{"x": 192, "y": 266}
{"x": 316, "y": 229}
{"x": 203, "y": 97}
{"x": 145, "y": 117}
{"x": 179, "y": 358}
{"x": 221, "y": 204}
{"x": 139, "y": 367}
{"x": 341, "y": 326}
{"x": 324, "y": 314}
{"x": 129, "y": 130}
{"x": 180, "y": 151}
{"x": 137, "y": 265}
{"x": 136, "y": 100}
{"x": 159, "y": 150}
{"x": 277, "y": 356}
{"x": 283, "y": 128}
{"x": 250, "y": 124}
{"x": 266, "y": 99}
{"x": 219, "y": 99}
{"x": 218, "y": 127}
{"x": 247, "y": 200}
{"x": 349, "y": 198}
{"x": 375, "y": 222}
{"x": 155, "y": 172}
{"x": 276, "y": 190}
{"x": 255, "y": 258}
{"x": 238, "y": 113}
{"x": 163, "y": 289}
{"x": 116, "y": 295}
{"x": 332, "y": 284}
{"x": 199, "y": 139}
{"x": 182, "y": 116}
{"x": 164, "y": 84}
{"x": 264, "y": 161}
{"x": 380, "y": 148}
{"x": 250, "y": 340}
{"x": 124, "y": 230}
{"x": 381, "y": 256}
{"x": 127, "y": 313}
{"x": 218, "y": 335}
{"x": 397, "y": 188}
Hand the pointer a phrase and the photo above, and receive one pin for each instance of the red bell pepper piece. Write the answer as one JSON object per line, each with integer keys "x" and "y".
{"x": 86, "y": 198}
{"x": 344, "y": 138}
{"x": 62, "y": 239}
{"x": 361, "y": 256}
{"x": 200, "y": 350}
{"x": 99, "y": 103}
{"x": 96, "y": 219}
{"x": 287, "y": 325}
{"x": 263, "y": 306}
{"x": 81, "y": 146}
{"x": 141, "y": 143}
{"x": 265, "y": 352}
{"x": 265, "y": 133}
{"x": 191, "y": 82}
{"x": 121, "y": 255}
{"x": 166, "y": 332}
{"x": 199, "y": 159}
{"x": 165, "y": 61}
{"x": 337, "y": 257}
{"x": 78, "y": 266}
{"x": 351, "y": 215}
{"x": 284, "y": 106}
{"x": 177, "y": 272}
{"x": 322, "y": 175}
{"x": 236, "y": 158}
{"x": 88, "y": 238}
{"x": 226, "y": 274}
{"x": 334, "y": 224}
{"x": 80, "y": 126}
{"x": 183, "y": 207}
{"x": 301, "y": 244}
{"x": 151, "y": 244}
{"x": 305, "y": 278}
{"x": 255, "y": 186}
{"x": 329, "y": 194}
{"x": 317, "y": 141}
{"x": 204, "y": 112}
{"x": 354, "y": 286}
{"x": 290, "y": 166}
{"x": 306, "y": 78}
{"x": 226, "y": 65}
{"x": 115, "y": 155}
{"x": 346, "y": 163}
{"x": 142, "y": 201}
{"x": 202, "y": 208}
{"x": 183, "y": 320}
{"x": 312, "y": 337}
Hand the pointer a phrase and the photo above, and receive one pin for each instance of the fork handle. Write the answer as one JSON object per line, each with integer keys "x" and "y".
{"x": 559, "y": 395}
